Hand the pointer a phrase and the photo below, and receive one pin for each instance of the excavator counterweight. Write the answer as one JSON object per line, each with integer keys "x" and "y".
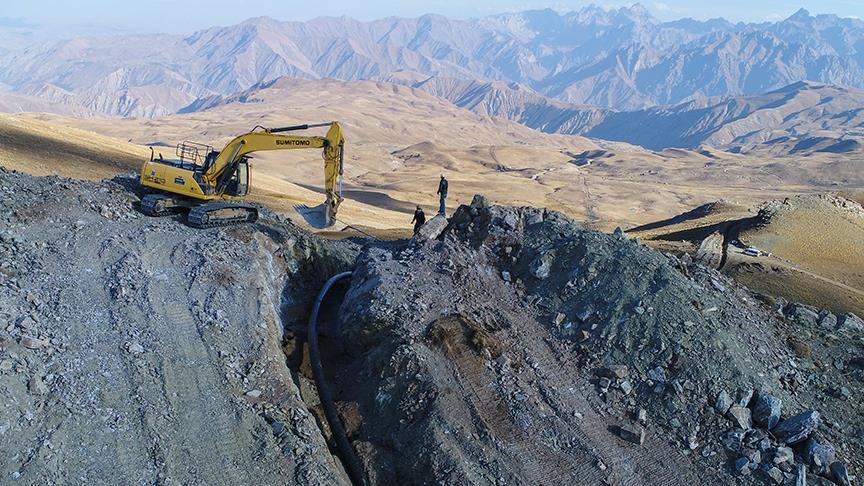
{"x": 212, "y": 185}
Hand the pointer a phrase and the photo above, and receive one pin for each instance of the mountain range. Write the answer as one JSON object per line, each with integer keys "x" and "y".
{"x": 595, "y": 71}
{"x": 802, "y": 116}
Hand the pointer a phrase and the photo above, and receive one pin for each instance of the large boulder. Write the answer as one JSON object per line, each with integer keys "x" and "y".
{"x": 819, "y": 456}
{"x": 541, "y": 266}
{"x": 740, "y": 416}
{"x": 804, "y": 314}
{"x": 433, "y": 228}
{"x": 850, "y": 322}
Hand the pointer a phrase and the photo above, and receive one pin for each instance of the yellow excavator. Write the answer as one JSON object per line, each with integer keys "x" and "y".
{"x": 211, "y": 184}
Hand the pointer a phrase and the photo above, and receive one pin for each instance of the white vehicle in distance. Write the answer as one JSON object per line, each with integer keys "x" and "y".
{"x": 752, "y": 251}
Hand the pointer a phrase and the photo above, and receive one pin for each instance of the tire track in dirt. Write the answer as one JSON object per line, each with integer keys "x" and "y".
{"x": 195, "y": 394}
{"x": 537, "y": 463}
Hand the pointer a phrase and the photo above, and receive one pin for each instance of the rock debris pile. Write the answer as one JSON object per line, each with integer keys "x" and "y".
{"x": 139, "y": 350}
{"x": 501, "y": 346}
{"x": 516, "y": 347}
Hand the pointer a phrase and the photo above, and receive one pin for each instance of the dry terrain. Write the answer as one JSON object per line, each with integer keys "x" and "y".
{"x": 399, "y": 140}
{"x": 813, "y": 245}
{"x": 504, "y": 346}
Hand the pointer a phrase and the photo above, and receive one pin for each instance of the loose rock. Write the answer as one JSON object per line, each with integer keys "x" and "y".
{"x": 742, "y": 466}
{"x": 30, "y": 342}
{"x": 775, "y": 474}
{"x": 850, "y": 322}
{"x": 723, "y": 402}
{"x": 819, "y": 456}
{"x": 6, "y": 365}
{"x": 632, "y": 434}
{"x": 740, "y": 416}
{"x": 657, "y": 374}
{"x": 839, "y": 474}
{"x": 134, "y": 348}
{"x": 766, "y": 411}
{"x": 801, "y": 475}
{"x": 541, "y": 266}
{"x": 614, "y": 372}
{"x": 743, "y": 396}
{"x": 732, "y": 440}
{"x": 796, "y": 429}
{"x": 37, "y": 386}
{"x": 625, "y": 387}
{"x": 783, "y": 454}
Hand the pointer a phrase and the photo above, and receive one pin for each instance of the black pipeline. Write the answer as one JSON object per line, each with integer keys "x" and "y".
{"x": 349, "y": 457}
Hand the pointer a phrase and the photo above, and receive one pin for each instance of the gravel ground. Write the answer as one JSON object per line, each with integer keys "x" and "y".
{"x": 501, "y": 346}
{"x": 136, "y": 350}
{"x": 516, "y": 347}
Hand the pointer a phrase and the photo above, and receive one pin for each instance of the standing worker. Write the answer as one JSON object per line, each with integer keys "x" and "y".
{"x": 442, "y": 191}
{"x": 419, "y": 219}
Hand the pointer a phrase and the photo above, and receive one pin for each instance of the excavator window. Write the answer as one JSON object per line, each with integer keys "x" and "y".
{"x": 208, "y": 161}
{"x": 239, "y": 183}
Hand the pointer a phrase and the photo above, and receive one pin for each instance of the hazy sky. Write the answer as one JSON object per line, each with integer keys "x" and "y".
{"x": 189, "y": 15}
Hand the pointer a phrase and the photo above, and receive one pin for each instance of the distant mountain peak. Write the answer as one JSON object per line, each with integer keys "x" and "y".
{"x": 801, "y": 15}
{"x": 638, "y": 12}
{"x": 262, "y": 21}
{"x": 638, "y": 8}
{"x": 799, "y": 86}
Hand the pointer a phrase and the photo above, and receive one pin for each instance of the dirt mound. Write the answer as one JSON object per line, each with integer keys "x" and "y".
{"x": 820, "y": 234}
{"x": 506, "y": 346}
{"x": 138, "y": 350}
{"x": 520, "y": 348}
{"x": 810, "y": 246}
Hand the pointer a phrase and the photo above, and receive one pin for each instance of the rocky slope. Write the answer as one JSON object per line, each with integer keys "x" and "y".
{"x": 516, "y": 347}
{"x": 501, "y": 346}
{"x": 139, "y": 350}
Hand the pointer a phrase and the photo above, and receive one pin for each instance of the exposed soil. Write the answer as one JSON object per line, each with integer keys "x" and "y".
{"x": 138, "y": 350}
{"x": 479, "y": 355}
{"x": 504, "y": 346}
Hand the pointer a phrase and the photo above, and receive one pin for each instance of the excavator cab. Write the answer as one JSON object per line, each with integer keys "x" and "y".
{"x": 238, "y": 185}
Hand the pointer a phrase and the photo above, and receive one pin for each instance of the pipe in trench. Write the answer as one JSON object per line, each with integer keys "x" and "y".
{"x": 349, "y": 457}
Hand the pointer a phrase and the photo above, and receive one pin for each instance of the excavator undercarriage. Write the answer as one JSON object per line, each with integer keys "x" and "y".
{"x": 206, "y": 215}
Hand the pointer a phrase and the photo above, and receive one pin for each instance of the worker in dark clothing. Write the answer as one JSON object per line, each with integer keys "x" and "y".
{"x": 442, "y": 191}
{"x": 419, "y": 219}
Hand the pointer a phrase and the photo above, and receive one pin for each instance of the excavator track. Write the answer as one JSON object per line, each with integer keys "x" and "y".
{"x": 160, "y": 205}
{"x": 211, "y": 215}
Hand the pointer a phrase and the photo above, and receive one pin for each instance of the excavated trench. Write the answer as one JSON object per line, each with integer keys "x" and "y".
{"x": 296, "y": 344}
{"x": 303, "y": 295}
{"x": 351, "y": 389}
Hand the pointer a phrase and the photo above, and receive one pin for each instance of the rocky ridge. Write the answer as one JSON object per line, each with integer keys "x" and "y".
{"x": 515, "y": 347}
{"x": 501, "y": 346}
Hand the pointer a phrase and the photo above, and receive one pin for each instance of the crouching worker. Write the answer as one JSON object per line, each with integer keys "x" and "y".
{"x": 419, "y": 219}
